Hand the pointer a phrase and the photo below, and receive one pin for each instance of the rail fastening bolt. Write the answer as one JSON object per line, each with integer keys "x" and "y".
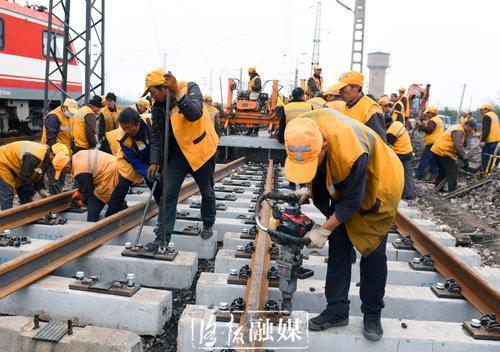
{"x": 128, "y": 245}
{"x": 130, "y": 280}
{"x": 80, "y": 275}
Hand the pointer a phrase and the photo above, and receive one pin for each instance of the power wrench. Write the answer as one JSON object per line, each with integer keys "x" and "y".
{"x": 287, "y": 228}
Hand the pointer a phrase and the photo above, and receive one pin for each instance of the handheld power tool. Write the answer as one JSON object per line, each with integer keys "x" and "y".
{"x": 287, "y": 228}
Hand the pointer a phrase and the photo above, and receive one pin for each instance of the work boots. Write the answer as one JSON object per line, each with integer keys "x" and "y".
{"x": 372, "y": 327}
{"x": 327, "y": 320}
{"x": 207, "y": 232}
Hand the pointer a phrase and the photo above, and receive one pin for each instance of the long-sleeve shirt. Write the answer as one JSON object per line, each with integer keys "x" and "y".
{"x": 458, "y": 137}
{"x": 85, "y": 185}
{"x": 190, "y": 105}
{"x": 52, "y": 128}
{"x": 352, "y": 190}
{"x": 102, "y": 125}
{"x": 28, "y": 166}
{"x": 485, "y": 128}
{"x": 138, "y": 156}
{"x": 90, "y": 127}
{"x": 429, "y": 127}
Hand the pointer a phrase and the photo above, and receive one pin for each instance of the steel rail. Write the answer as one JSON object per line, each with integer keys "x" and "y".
{"x": 256, "y": 290}
{"x": 484, "y": 297}
{"x": 27, "y": 268}
{"x": 27, "y": 213}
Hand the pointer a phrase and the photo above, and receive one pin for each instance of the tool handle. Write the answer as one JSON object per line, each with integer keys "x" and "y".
{"x": 146, "y": 210}
{"x": 284, "y": 239}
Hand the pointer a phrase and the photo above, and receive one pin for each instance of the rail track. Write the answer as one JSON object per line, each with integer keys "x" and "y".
{"x": 25, "y": 269}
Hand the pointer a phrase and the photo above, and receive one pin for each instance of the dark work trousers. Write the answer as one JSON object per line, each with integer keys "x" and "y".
{"x": 178, "y": 168}
{"x": 487, "y": 150}
{"x": 448, "y": 169}
{"x": 7, "y": 195}
{"x": 55, "y": 186}
{"x": 426, "y": 159}
{"x": 409, "y": 191}
{"x": 94, "y": 208}
{"x": 117, "y": 201}
{"x": 338, "y": 276}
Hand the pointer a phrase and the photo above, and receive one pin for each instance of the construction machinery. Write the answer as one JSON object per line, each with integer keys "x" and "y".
{"x": 250, "y": 109}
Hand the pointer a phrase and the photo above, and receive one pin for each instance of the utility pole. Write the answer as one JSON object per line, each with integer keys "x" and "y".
{"x": 358, "y": 36}
{"x": 461, "y": 101}
{"x": 317, "y": 32}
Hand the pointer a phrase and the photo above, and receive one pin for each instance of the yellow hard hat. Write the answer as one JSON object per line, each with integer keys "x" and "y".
{"x": 144, "y": 103}
{"x": 251, "y": 69}
{"x": 153, "y": 79}
{"x": 71, "y": 105}
{"x": 207, "y": 98}
{"x": 60, "y": 161}
{"x": 383, "y": 101}
{"x": 59, "y": 148}
{"x": 485, "y": 106}
{"x": 347, "y": 78}
{"x": 332, "y": 91}
{"x": 431, "y": 109}
{"x": 303, "y": 143}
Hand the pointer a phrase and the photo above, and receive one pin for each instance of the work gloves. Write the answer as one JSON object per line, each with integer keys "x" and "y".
{"x": 302, "y": 195}
{"x": 318, "y": 236}
{"x": 171, "y": 83}
{"x": 152, "y": 171}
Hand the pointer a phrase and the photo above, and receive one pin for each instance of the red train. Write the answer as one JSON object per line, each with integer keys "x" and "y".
{"x": 23, "y": 39}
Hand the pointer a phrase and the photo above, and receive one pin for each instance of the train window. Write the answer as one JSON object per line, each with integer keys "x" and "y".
{"x": 2, "y": 34}
{"x": 57, "y": 44}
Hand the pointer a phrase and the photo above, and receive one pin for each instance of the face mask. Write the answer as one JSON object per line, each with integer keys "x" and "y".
{"x": 67, "y": 113}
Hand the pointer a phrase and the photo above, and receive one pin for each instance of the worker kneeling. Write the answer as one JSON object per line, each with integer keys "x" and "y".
{"x": 133, "y": 159}
{"x": 23, "y": 165}
{"x": 356, "y": 182}
{"x": 96, "y": 175}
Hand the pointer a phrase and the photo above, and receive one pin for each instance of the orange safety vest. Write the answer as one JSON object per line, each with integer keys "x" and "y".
{"x": 125, "y": 169}
{"x": 402, "y": 145}
{"x": 430, "y": 138}
{"x": 113, "y": 139}
{"x": 319, "y": 85}
{"x": 197, "y": 139}
{"x": 102, "y": 166}
{"x": 338, "y": 105}
{"x": 296, "y": 108}
{"x": 11, "y": 159}
{"x": 362, "y": 110}
{"x": 494, "y": 135}
{"x": 251, "y": 84}
{"x": 65, "y": 129}
{"x": 110, "y": 118}
{"x": 443, "y": 146}
{"x": 79, "y": 127}
{"x": 347, "y": 140}
{"x": 317, "y": 103}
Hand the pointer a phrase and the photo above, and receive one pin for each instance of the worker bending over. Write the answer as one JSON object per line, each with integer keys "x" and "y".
{"x": 356, "y": 181}
{"x": 297, "y": 106}
{"x": 315, "y": 82}
{"x": 445, "y": 150}
{"x": 96, "y": 175}
{"x": 490, "y": 134}
{"x": 432, "y": 126}
{"x": 22, "y": 168}
{"x": 133, "y": 159}
{"x": 192, "y": 144}
{"x": 358, "y": 105}
{"x": 399, "y": 140}
{"x": 57, "y": 129}
{"x": 108, "y": 119}
{"x": 84, "y": 125}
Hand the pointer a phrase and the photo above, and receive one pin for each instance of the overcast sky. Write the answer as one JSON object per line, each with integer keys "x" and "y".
{"x": 445, "y": 43}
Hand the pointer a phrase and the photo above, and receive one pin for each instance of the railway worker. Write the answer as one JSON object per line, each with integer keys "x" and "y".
{"x": 490, "y": 134}
{"x": 317, "y": 102}
{"x": 358, "y": 105}
{"x": 254, "y": 83}
{"x": 465, "y": 116}
{"x": 336, "y": 103}
{"x": 57, "y": 129}
{"x": 297, "y": 106}
{"x": 386, "y": 106}
{"x": 315, "y": 82}
{"x": 108, "y": 119}
{"x": 394, "y": 98}
{"x": 445, "y": 149}
{"x": 22, "y": 167}
{"x": 402, "y": 91}
{"x": 398, "y": 112}
{"x": 192, "y": 144}
{"x": 356, "y": 182}
{"x": 96, "y": 175}
{"x": 133, "y": 159}
{"x": 432, "y": 126}
{"x": 399, "y": 140}
{"x": 213, "y": 112}
{"x": 84, "y": 125}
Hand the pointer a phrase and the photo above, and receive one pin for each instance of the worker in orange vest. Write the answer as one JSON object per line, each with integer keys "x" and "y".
{"x": 490, "y": 133}
{"x": 315, "y": 82}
